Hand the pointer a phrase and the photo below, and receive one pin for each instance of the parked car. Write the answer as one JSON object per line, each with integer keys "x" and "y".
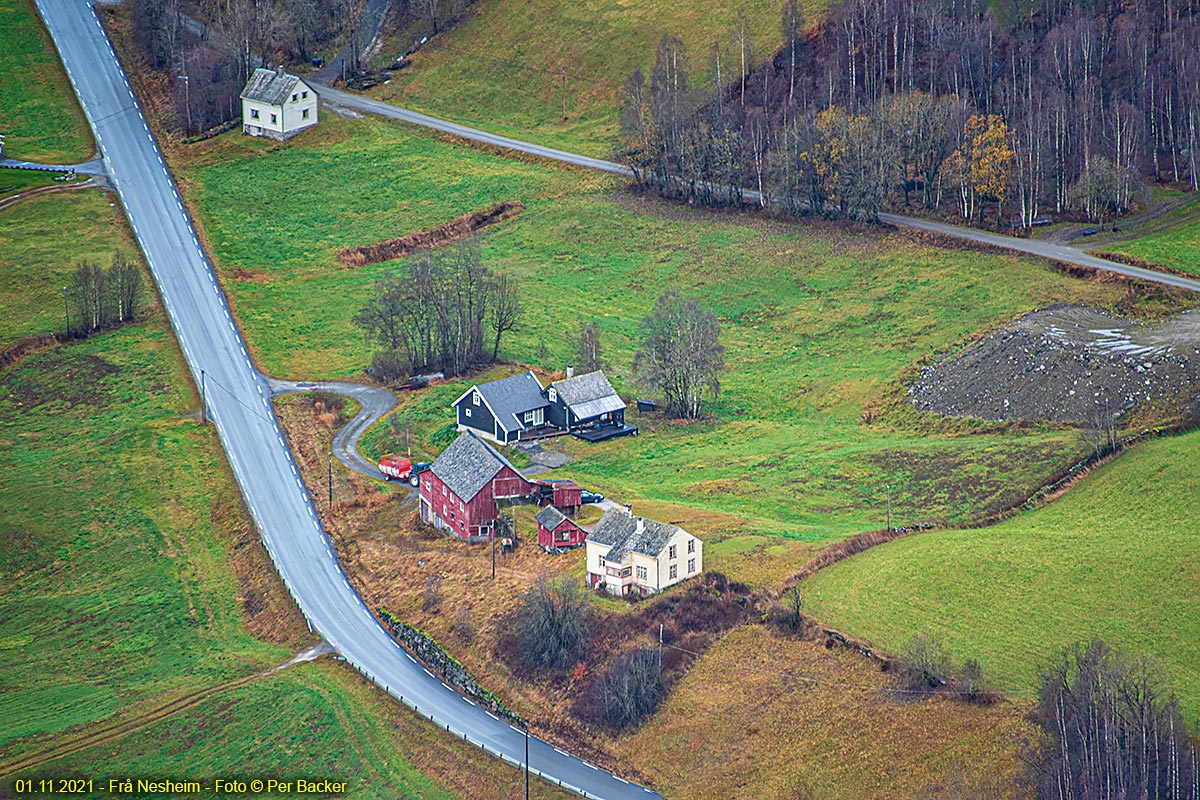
{"x": 590, "y": 497}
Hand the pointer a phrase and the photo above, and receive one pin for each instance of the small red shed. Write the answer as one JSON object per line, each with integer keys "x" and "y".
{"x": 556, "y": 531}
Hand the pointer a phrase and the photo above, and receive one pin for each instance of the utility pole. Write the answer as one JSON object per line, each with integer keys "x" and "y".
{"x": 660, "y": 643}
{"x": 330, "y": 481}
{"x": 564, "y": 94}
{"x": 526, "y": 759}
{"x": 203, "y": 400}
{"x": 493, "y": 552}
{"x": 66, "y": 315}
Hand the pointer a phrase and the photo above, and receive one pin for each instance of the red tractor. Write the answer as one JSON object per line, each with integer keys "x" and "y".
{"x": 402, "y": 469}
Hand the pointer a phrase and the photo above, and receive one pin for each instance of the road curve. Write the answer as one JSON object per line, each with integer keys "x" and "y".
{"x": 375, "y": 402}
{"x": 1070, "y": 255}
{"x": 239, "y": 406}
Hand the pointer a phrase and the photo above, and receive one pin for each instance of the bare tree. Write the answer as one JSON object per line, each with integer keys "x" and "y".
{"x": 631, "y": 688}
{"x": 551, "y": 623}
{"x": 682, "y": 355}
{"x": 505, "y": 311}
{"x": 586, "y": 347}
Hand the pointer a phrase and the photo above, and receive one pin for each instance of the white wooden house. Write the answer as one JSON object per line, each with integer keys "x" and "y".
{"x": 277, "y": 104}
{"x": 632, "y": 555}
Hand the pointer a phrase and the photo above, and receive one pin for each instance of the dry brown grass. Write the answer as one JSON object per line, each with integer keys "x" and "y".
{"x": 770, "y": 717}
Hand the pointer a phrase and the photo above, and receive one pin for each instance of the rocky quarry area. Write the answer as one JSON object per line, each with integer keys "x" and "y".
{"x": 1067, "y": 364}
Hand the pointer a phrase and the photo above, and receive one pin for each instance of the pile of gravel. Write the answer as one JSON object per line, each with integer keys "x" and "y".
{"x": 1066, "y": 364}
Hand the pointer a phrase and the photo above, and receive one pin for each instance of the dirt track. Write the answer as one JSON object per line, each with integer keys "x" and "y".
{"x": 1066, "y": 364}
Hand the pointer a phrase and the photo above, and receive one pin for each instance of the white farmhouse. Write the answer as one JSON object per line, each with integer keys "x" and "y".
{"x": 628, "y": 554}
{"x": 277, "y": 104}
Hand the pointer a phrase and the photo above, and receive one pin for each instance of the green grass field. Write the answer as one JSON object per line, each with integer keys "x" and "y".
{"x": 820, "y": 322}
{"x": 36, "y": 260}
{"x": 1118, "y": 557}
{"x": 38, "y": 112}
{"x": 1178, "y": 248}
{"x": 501, "y": 68}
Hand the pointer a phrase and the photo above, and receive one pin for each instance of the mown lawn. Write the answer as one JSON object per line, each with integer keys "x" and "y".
{"x": 501, "y": 68}
{"x": 38, "y": 111}
{"x": 823, "y": 325}
{"x": 1117, "y": 558}
{"x": 1178, "y": 248}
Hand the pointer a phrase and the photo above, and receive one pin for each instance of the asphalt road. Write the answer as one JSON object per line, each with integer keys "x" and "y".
{"x": 1070, "y": 255}
{"x": 239, "y": 404}
{"x": 374, "y": 402}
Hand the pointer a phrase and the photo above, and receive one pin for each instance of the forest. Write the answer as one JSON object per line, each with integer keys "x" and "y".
{"x": 1018, "y": 107}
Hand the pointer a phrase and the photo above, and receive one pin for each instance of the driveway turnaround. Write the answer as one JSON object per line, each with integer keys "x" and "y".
{"x": 238, "y": 402}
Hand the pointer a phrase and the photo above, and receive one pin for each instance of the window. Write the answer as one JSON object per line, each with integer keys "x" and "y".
{"x": 304, "y": 113}
{"x": 468, "y": 411}
{"x": 529, "y": 416}
{"x": 691, "y": 545}
{"x": 254, "y": 113}
{"x": 641, "y": 573}
{"x": 564, "y": 536}
{"x": 274, "y": 117}
{"x": 625, "y": 572}
{"x": 674, "y": 572}
{"x": 691, "y": 565}
{"x": 475, "y": 397}
{"x": 602, "y": 561}
{"x": 304, "y": 95}
{"x": 552, "y": 394}
{"x": 293, "y": 98}
{"x": 671, "y": 552}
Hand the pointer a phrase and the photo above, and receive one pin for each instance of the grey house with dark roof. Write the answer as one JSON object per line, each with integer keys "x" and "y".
{"x": 458, "y": 493}
{"x": 277, "y": 104}
{"x": 504, "y": 411}
{"x": 628, "y": 554}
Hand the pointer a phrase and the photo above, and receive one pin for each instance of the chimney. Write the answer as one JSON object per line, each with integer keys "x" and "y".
{"x": 570, "y": 372}
{"x": 279, "y": 70}
{"x": 641, "y": 525}
{"x": 629, "y": 509}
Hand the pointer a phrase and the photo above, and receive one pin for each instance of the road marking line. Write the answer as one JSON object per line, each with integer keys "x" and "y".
{"x": 427, "y": 672}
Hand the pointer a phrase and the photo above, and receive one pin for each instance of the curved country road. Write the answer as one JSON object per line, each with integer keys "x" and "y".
{"x": 1070, "y": 255}
{"x": 375, "y": 402}
{"x": 238, "y": 401}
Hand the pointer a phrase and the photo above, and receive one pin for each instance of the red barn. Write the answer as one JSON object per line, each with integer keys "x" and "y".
{"x": 555, "y": 530}
{"x": 459, "y": 492}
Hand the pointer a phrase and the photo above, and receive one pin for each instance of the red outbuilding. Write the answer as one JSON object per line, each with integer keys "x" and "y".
{"x": 556, "y": 530}
{"x": 564, "y": 495}
{"x": 459, "y": 492}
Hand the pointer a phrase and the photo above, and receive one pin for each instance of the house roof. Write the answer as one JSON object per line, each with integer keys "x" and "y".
{"x": 550, "y": 518}
{"x": 589, "y": 395}
{"x": 622, "y": 531}
{"x": 510, "y": 398}
{"x": 469, "y": 464}
{"x": 271, "y": 86}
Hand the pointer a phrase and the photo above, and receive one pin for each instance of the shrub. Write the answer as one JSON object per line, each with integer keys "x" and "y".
{"x": 923, "y": 664}
{"x": 551, "y": 623}
{"x": 386, "y": 367}
{"x": 432, "y": 598}
{"x": 631, "y": 688}
{"x": 786, "y": 614}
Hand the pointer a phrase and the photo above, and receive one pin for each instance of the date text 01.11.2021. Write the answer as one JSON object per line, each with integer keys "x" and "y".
{"x": 52, "y": 786}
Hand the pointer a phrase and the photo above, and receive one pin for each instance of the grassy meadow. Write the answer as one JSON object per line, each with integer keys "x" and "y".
{"x": 1178, "y": 248}
{"x": 500, "y": 69}
{"x": 823, "y": 325}
{"x": 1117, "y": 558}
{"x": 38, "y": 112}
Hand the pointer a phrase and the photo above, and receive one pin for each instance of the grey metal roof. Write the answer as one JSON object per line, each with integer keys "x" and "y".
{"x": 469, "y": 464}
{"x": 620, "y": 529}
{"x": 550, "y": 518}
{"x": 589, "y": 395}
{"x": 510, "y": 398}
{"x": 270, "y": 86}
